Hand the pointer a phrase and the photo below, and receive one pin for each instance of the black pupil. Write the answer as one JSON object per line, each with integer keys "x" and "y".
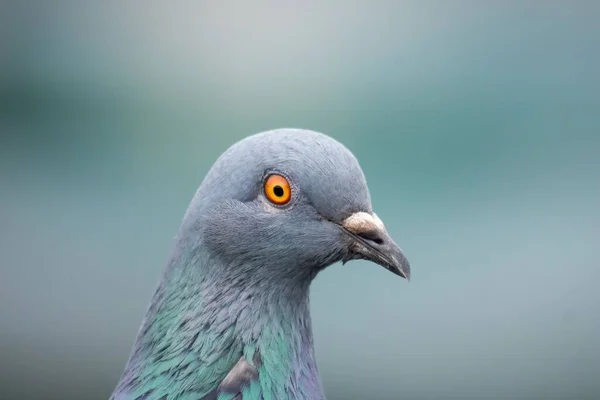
{"x": 278, "y": 190}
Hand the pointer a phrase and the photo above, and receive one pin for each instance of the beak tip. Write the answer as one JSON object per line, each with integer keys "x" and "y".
{"x": 403, "y": 271}
{"x": 400, "y": 266}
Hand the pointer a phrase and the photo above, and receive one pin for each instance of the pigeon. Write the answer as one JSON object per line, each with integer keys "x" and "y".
{"x": 230, "y": 317}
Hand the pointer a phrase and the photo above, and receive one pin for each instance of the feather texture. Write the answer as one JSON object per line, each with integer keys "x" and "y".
{"x": 230, "y": 318}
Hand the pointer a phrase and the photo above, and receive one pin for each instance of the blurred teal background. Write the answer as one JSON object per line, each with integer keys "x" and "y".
{"x": 476, "y": 123}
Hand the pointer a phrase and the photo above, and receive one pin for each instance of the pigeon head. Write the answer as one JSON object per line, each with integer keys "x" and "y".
{"x": 288, "y": 203}
{"x": 230, "y": 318}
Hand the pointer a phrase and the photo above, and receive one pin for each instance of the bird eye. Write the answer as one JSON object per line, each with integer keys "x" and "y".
{"x": 278, "y": 190}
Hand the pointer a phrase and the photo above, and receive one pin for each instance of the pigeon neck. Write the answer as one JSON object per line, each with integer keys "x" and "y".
{"x": 271, "y": 314}
{"x": 282, "y": 333}
{"x": 204, "y": 310}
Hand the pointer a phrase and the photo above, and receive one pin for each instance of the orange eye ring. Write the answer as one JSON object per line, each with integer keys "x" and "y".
{"x": 278, "y": 190}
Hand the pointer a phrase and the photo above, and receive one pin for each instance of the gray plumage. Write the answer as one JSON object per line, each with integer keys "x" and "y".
{"x": 230, "y": 318}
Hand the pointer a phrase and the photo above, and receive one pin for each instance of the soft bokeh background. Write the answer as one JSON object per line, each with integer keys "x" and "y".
{"x": 476, "y": 123}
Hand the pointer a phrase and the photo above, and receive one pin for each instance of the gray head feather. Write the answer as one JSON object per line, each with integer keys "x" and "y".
{"x": 232, "y": 218}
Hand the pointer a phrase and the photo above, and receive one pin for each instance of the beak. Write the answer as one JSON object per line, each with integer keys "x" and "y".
{"x": 370, "y": 241}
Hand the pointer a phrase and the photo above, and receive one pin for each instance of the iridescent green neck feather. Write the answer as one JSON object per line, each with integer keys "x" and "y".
{"x": 201, "y": 323}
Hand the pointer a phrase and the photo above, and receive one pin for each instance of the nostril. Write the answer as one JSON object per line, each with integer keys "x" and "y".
{"x": 371, "y": 236}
